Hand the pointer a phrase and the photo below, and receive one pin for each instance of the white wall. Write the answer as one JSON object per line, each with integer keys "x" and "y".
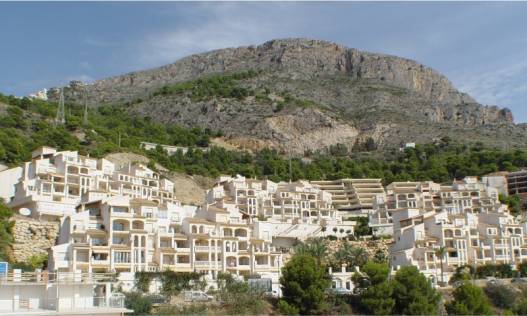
{"x": 8, "y": 179}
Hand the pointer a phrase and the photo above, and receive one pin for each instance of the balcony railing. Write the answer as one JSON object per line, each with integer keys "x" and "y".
{"x": 60, "y": 277}
{"x": 87, "y": 305}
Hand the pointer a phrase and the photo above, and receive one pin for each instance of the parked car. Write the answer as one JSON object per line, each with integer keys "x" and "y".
{"x": 197, "y": 296}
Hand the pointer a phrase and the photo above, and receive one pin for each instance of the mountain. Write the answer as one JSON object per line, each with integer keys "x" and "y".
{"x": 300, "y": 94}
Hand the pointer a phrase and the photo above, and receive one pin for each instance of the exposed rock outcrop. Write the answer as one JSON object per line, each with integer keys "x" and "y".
{"x": 354, "y": 95}
{"x": 32, "y": 237}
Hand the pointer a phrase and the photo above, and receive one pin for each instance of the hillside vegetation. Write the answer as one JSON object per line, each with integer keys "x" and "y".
{"x": 27, "y": 124}
{"x": 303, "y": 95}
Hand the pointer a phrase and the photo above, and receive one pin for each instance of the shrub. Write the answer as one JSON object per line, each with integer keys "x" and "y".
{"x": 193, "y": 309}
{"x": 138, "y": 302}
{"x": 521, "y": 308}
{"x": 469, "y": 300}
{"x": 286, "y": 309}
{"x": 501, "y": 296}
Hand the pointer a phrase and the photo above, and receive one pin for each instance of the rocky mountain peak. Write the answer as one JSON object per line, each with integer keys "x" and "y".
{"x": 359, "y": 92}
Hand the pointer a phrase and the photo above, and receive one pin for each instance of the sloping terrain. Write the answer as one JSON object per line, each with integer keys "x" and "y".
{"x": 305, "y": 95}
{"x": 189, "y": 189}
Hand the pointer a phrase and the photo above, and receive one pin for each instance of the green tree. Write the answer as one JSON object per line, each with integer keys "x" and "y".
{"x": 6, "y": 232}
{"x": 440, "y": 253}
{"x": 413, "y": 293}
{"x": 376, "y": 291}
{"x": 469, "y": 300}
{"x": 139, "y": 303}
{"x": 314, "y": 247}
{"x": 377, "y": 299}
{"x": 303, "y": 284}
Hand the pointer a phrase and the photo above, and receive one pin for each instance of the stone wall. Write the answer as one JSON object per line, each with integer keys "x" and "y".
{"x": 32, "y": 237}
{"x": 371, "y": 246}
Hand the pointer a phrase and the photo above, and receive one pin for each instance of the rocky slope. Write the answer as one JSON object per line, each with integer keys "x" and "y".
{"x": 189, "y": 189}
{"x": 308, "y": 95}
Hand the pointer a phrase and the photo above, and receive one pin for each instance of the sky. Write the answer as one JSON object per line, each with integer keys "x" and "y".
{"x": 480, "y": 47}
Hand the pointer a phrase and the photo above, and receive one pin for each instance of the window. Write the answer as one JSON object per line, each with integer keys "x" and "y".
{"x": 121, "y": 257}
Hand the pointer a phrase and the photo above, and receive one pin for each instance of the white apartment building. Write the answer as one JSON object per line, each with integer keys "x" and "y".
{"x": 126, "y": 235}
{"x": 467, "y": 195}
{"x": 281, "y": 212}
{"x": 52, "y": 184}
{"x": 465, "y": 218}
{"x": 352, "y": 197}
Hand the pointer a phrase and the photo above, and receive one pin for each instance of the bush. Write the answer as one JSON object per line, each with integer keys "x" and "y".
{"x": 462, "y": 273}
{"x": 521, "y": 308}
{"x": 522, "y": 269}
{"x": 286, "y": 309}
{"x": 138, "y": 302}
{"x": 495, "y": 270}
{"x": 193, "y": 309}
{"x": 469, "y": 300}
{"x": 238, "y": 297}
{"x": 501, "y": 296}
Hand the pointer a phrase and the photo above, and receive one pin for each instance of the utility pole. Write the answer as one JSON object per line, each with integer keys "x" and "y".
{"x": 60, "y": 118}
{"x": 85, "y": 116}
{"x": 290, "y": 167}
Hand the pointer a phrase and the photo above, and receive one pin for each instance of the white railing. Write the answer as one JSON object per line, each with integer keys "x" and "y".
{"x": 60, "y": 277}
{"x": 78, "y": 304}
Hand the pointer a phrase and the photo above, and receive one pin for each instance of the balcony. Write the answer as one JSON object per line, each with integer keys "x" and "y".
{"x": 203, "y": 263}
{"x": 100, "y": 262}
{"x": 182, "y": 250}
{"x": 206, "y": 248}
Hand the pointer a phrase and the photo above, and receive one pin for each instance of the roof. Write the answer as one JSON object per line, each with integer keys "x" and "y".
{"x": 200, "y": 220}
{"x": 216, "y": 209}
{"x": 180, "y": 236}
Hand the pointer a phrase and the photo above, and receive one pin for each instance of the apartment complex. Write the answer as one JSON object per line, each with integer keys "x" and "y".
{"x": 53, "y": 183}
{"x": 282, "y": 212}
{"x": 467, "y": 195}
{"x": 353, "y": 197}
{"x": 466, "y": 218}
{"x": 127, "y": 218}
{"x": 469, "y": 239}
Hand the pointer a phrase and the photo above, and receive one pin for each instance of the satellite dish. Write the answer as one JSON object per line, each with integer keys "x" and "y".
{"x": 24, "y": 211}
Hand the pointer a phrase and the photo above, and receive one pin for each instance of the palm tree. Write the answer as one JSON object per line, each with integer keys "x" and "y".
{"x": 351, "y": 256}
{"x": 315, "y": 247}
{"x": 440, "y": 252}
{"x": 360, "y": 256}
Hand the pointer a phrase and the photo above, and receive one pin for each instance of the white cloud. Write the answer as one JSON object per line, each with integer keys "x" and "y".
{"x": 500, "y": 85}
{"x": 226, "y": 25}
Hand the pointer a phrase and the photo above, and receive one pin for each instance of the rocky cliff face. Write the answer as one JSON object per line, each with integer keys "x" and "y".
{"x": 351, "y": 95}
